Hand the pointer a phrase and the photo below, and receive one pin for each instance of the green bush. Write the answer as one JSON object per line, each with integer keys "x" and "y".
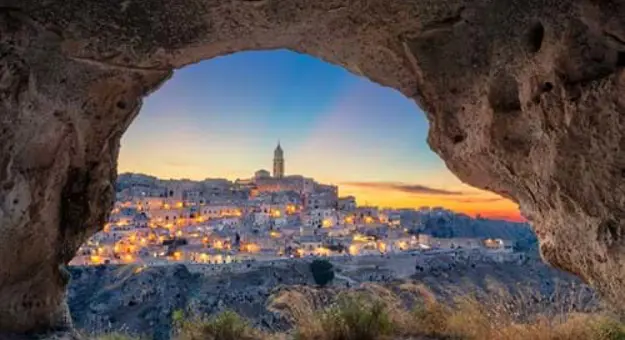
{"x": 322, "y": 271}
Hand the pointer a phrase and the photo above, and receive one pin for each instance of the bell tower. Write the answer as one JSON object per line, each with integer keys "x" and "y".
{"x": 278, "y": 162}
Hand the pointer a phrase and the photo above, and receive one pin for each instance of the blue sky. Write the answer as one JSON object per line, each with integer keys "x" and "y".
{"x": 223, "y": 118}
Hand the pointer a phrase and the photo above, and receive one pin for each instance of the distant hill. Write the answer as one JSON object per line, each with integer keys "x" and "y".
{"x": 128, "y": 179}
{"x": 458, "y": 225}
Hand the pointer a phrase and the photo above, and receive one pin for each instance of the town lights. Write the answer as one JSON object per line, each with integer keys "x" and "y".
{"x": 402, "y": 245}
{"x": 353, "y": 250}
{"x": 361, "y": 238}
{"x": 95, "y": 259}
{"x": 250, "y": 248}
{"x": 217, "y": 244}
{"x": 177, "y": 256}
{"x": 382, "y": 247}
{"x": 322, "y": 251}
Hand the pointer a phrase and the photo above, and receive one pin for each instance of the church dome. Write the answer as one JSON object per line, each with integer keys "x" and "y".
{"x": 262, "y": 174}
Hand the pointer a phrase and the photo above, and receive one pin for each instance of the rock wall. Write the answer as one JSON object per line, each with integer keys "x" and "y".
{"x": 523, "y": 97}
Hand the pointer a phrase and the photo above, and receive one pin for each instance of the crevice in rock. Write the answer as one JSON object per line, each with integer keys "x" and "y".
{"x": 459, "y": 138}
{"x": 535, "y": 37}
{"x": 119, "y": 67}
{"x": 74, "y": 208}
{"x": 610, "y": 233}
{"x": 620, "y": 59}
{"x": 614, "y": 38}
{"x": 547, "y": 87}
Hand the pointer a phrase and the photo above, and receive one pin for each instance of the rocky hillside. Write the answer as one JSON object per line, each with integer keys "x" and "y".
{"x": 460, "y": 225}
{"x": 141, "y": 300}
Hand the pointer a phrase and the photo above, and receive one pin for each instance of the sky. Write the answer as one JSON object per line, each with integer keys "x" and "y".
{"x": 222, "y": 118}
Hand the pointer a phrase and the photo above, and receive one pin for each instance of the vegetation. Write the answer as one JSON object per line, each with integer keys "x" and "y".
{"x": 410, "y": 311}
{"x": 322, "y": 271}
{"x": 225, "y": 326}
{"x": 354, "y": 317}
{"x": 374, "y": 312}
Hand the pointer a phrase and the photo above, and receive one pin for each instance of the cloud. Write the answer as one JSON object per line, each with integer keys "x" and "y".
{"x": 403, "y": 187}
{"x": 478, "y": 200}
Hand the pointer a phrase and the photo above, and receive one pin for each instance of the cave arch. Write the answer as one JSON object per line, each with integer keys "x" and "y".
{"x": 73, "y": 73}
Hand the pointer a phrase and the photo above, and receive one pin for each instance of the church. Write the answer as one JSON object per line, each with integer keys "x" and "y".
{"x": 278, "y": 181}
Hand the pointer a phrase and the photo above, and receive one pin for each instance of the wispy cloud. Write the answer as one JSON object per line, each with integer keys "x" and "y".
{"x": 478, "y": 200}
{"x": 403, "y": 187}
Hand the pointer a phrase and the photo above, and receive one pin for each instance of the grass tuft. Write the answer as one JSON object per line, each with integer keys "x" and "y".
{"x": 227, "y": 325}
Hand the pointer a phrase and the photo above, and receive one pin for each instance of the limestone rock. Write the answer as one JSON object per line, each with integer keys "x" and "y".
{"x": 524, "y": 98}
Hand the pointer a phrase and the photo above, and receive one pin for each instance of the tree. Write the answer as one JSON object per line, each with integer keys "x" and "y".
{"x": 322, "y": 271}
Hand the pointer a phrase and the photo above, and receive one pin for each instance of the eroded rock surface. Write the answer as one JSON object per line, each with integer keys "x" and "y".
{"x": 524, "y": 99}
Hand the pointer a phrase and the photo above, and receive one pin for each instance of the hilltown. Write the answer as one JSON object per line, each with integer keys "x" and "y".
{"x": 267, "y": 217}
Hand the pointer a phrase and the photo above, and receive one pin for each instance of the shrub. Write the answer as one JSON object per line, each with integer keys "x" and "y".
{"x": 177, "y": 317}
{"x": 430, "y": 319}
{"x": 322, "y": 271}
{"x": 354, "y": 317}
{"x": 609, "y": 329}
{"x": 225, "y": 326}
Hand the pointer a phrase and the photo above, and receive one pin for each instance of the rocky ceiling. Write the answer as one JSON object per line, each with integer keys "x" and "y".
{"x": 524, "y": 98}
